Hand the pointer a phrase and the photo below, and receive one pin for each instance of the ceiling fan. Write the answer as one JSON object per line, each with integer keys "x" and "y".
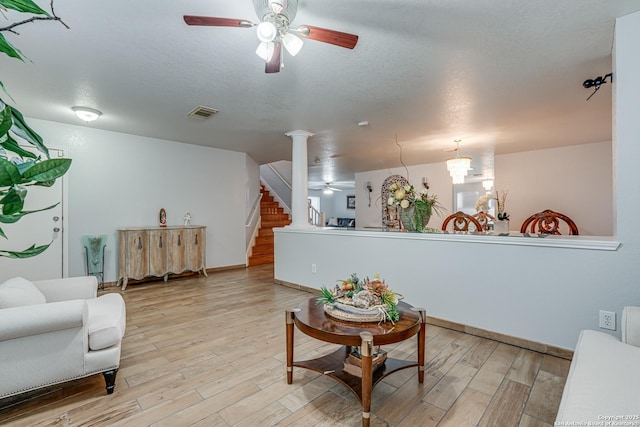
{"x": 275, "y": 33}
{"x": 326, "y": 188}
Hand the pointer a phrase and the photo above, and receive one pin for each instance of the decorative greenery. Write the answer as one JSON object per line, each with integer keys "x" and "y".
{"x": 376, "y": 291}
{"x": 23, "y": 168}
{"x": 326, "y": 297}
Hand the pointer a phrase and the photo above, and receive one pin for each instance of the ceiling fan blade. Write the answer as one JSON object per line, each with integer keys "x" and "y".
{"x": 209, "y": 21}
{"x": 275, "y": 63}
{"x": 337, "y": 38}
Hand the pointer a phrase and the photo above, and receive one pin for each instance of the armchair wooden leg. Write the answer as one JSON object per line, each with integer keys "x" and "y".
{"x": 110, "y": 380}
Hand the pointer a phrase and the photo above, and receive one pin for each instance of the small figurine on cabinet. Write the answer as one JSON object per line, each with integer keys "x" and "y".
{"x": 163, "y": 218}
{"x": 187, "y": 219}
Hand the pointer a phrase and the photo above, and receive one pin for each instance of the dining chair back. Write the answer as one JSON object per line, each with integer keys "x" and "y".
{"x": 461, "y": 223}
{"x": 548, "y": 222}
{"x": 483, "y": 218}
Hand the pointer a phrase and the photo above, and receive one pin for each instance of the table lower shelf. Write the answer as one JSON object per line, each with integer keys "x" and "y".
{"x": 332, "y": 364}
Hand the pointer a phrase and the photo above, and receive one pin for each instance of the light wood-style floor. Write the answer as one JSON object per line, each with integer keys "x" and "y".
{"x": 211, "y": 352}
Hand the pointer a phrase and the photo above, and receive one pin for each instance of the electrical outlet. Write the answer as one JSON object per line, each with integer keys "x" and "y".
{"x": 313, "y": 268}
{"x": 608, "y": 320}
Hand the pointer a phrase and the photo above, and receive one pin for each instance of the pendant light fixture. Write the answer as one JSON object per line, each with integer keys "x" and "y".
{"x": 458, "y": 167}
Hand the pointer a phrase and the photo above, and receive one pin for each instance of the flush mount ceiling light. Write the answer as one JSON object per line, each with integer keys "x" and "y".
{"x": 458, "y": 167}
{"x": 86, "y": 114}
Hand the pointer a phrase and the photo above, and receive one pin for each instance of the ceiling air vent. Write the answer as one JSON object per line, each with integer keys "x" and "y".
{"x": 202, "y": 112}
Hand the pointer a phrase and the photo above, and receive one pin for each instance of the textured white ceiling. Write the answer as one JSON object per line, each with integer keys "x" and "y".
{"x": 502, "y": 76}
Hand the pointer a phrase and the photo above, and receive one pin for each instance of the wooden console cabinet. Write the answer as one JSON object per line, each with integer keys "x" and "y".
{"x": 159, "y": 251}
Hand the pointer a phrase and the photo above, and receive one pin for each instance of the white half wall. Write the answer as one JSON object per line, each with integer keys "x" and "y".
{"x": 120, "y": 180}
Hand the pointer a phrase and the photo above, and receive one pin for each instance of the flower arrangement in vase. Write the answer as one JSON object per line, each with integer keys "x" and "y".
{"x": 415, "y": 208}
{"x": 500, "y": 205}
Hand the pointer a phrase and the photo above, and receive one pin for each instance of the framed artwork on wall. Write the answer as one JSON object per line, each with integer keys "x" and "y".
{"x": 351, "y": 202}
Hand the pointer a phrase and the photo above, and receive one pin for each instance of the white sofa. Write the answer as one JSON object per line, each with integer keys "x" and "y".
{"x": 603, "y": 385}
{"x": 53, "y": 331}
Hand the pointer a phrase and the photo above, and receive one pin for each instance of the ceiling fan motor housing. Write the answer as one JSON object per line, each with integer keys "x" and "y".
{"x": 263, "y": 8}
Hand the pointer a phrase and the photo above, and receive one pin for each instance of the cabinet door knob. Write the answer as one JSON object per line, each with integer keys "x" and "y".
{"x": 196, "y": 239}
{"x": 139, "y": 243}
{"x": 179, "y": 243}
{"x": 56, "y": 218}
{"x": 56, "y": 229}
{"x": 160, "y": 244}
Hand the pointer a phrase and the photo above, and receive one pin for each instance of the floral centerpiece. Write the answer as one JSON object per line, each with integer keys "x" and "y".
{"x": 366, "y": 297}
{"x": 416, "y": 207}
{"x": 482, "y": 204}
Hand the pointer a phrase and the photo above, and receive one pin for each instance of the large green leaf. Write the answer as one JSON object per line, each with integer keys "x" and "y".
{"x": 47, "y": 170}
{"x": 23, "y": 130}
{"x": 23, "y": 6}
{"x": 24, "y": 166}
{"x": 4, "y": 89}
{"x": 10, "y": 219}
{"x": 9, "y": 174}
{"x": 8, "y": 49}
{"x": 13, "y": 201}
{"x": 5, "y": 120}
{"x": 27, "y": 253}
{"x": 12, "y": 145}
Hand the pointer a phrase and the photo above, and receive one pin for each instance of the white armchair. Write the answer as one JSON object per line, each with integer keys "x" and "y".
{"x": 53, "y": 331}
{"x": 603, "y": 385}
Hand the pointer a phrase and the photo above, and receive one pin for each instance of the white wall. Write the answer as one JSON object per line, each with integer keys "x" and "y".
{"x": 120, "y": 180}
{"x": 575, "y": 180}
{"x": 538, "y": 293}
{"x": 335, "y": 205}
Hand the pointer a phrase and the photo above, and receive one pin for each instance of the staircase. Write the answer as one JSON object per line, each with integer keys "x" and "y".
{"x": 272, "y": 215}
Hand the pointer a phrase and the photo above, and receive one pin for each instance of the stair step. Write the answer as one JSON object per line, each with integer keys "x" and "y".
{"x": 262, "y": 249}
{"x": 265, "y": 240}
{"x": 261, "y": 260}
{"x": 275, "y": 217}
{"x": 274, "y": 224}
{"x": 265, "y": 232}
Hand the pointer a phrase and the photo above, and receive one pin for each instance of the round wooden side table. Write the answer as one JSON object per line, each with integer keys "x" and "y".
{"x": 311, "y": 319}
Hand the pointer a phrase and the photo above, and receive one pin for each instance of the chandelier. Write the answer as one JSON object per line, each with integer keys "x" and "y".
{"x": 458, "y": 167}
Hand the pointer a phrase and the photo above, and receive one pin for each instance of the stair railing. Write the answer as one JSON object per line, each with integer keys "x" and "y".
{"x": 252, "y": 227}
{"x": 316, "y": 217}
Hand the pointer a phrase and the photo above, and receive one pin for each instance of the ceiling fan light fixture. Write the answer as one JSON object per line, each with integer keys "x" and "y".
{"x": 86, "y": 114}
{"x": 267, "y": 32}
{"x": 328, "y": 191}
{"x": 292, "y": 43}
{"x": 265, "y": 50}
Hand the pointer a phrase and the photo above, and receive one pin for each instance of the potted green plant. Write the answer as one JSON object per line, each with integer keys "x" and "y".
{"x": 22, "y": 168}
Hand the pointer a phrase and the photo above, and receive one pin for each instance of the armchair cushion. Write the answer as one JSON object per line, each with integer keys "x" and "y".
{"x": 18, "y": 292}
{"x": 106, "y": 321}
{"x": 631, "y": 325}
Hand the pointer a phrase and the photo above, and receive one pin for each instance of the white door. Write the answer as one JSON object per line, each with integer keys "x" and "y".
{"x": 38, "y": 228}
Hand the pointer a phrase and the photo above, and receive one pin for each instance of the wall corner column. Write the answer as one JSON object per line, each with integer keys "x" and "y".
{"x": 299, "y": 180}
